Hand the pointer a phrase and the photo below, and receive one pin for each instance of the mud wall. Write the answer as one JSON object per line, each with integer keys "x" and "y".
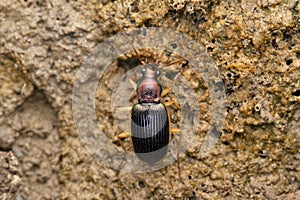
{"x": 255, "y": 46}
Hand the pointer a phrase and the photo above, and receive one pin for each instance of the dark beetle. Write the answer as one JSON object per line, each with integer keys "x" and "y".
{"x": 150, "y": 131}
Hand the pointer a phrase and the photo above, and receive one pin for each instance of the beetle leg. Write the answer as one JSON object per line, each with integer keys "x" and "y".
{"x": 122, "y": 109}
{"x": 133, "y": 84}
{"x": 174, "y": 131}
{"x": 122, "y": 136}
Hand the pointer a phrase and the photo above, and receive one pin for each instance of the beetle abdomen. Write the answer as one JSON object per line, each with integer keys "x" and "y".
{"x": 150, "y": 131}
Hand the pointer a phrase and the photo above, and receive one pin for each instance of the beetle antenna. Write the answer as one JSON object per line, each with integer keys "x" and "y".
{"x": 137, "y": 54}
{"x": 184, "y": 66}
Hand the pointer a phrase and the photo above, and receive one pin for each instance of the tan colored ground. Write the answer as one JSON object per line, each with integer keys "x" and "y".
{"x": 256, "y": 47}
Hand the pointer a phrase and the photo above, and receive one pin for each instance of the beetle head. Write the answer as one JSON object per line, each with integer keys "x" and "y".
{"x": 150, "y": 71}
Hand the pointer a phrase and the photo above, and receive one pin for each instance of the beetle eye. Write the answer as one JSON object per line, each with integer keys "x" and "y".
{"x": 143, "y": 70}
{"x": 157, "y": 73}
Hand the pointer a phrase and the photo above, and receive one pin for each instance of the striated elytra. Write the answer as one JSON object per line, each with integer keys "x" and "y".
{"x": 150, "y": 131}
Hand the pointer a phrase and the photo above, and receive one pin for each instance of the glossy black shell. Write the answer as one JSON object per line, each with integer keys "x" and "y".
{"x": 150, "y": 131}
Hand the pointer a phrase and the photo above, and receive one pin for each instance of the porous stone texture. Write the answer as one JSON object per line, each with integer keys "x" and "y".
{"x": 10, "y": 180}
{"x": 30, "y": 131}
{"x": 256, "y": 47}
{"x": 14, "y": 88}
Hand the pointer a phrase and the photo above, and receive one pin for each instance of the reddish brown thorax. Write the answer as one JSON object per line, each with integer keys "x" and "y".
{"x": 149, "y": 88}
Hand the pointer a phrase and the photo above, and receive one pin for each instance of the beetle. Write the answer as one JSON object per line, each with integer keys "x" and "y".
{"x": 150, "y": 121}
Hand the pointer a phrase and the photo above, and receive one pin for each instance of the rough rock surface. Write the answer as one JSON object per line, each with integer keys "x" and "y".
{"x": 255, "y": 45}
{"x": 10, "y": 180}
